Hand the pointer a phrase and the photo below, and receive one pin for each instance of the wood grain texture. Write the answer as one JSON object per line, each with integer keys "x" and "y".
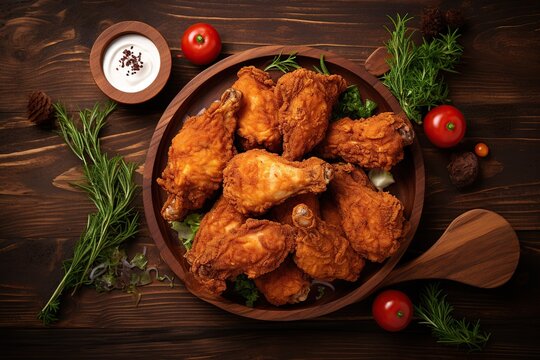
{"x": 45, "y": 45}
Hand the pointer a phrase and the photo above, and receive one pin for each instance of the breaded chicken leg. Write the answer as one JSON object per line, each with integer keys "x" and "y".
{"x": 256, "y": 180}
{"x": 197, "y": 156}
{"x": 305, "y": 100}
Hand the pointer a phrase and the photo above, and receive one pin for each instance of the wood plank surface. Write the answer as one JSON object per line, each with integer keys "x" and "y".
{"x": 45, "y": 45}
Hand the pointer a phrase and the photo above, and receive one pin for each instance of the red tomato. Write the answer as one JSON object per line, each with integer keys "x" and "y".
{"x": 444, "y": 126}
{"x": 392, "y": 310}
{"x": 201, "y": 43}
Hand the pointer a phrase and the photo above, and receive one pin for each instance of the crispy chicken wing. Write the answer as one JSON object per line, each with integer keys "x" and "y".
{"x": 375, "y": 142}
{"x": 285, "y": 285}
{"x": 305, "y": 100}
{"x": 372, "y": 220}
{"x": 321, "y": 251}
{"x": 198, "y": 155}
{"x": 255, "y": 248}
{"x": 256, "y": 180}
{"x": 257, "y": 117}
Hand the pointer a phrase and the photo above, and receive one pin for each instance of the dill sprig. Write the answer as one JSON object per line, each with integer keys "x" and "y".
{"x": 414, "y": 77}
{"x": 284, "y": 65}
{"x": 110, "y": 186}
{"x": 436, "y": 312}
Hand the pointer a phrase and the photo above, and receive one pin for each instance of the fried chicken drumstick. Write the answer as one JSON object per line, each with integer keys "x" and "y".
{"x": 321, "y": 251}
{"x": 256, "y": 180}
{"x": 197, "y": 156}
{"x": 373, "y": 220}
{"x": 305, "y": 100}
{"x": 257, "y": 118}
{"x": 375, "y": 142}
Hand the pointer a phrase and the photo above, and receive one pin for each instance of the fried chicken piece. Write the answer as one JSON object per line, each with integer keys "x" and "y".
{"x": 372, "y": 220}
{"x": 255, "y": 248}
{"x": 375, "y": 142}
{"x": 256, "y": 180}
{"x": 197, "y": 156}
{"x": 321, "y": 251}
{"x": 285, "y": 285}
{"x": 257, "y": 117}
{"x": 221, "y": 220}
{"x": 330, "y": 212}
{"x": 282, "y": 213}
{"x": 305, "y": 100}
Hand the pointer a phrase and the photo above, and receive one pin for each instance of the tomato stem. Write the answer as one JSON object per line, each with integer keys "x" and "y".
{"x": 200, "y": 39}
{"x": 450, "y": 126}
{"x": 400, "y": 314}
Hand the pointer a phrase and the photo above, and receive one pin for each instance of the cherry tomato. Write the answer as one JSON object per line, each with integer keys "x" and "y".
{"x": 201, "y": 43}
{"x": 444, "y": 126}
{"x": 481, "y": 149}
{"x": 392, "y": 310}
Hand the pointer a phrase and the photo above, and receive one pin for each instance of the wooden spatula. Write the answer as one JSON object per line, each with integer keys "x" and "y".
{"x": 478, "y": 248}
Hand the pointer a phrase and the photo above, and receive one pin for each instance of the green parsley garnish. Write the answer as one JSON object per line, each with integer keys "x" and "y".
{"x": 246, "y": 288}
{"x": 187, "y": 229}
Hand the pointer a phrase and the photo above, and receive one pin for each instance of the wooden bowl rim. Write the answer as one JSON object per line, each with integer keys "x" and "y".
{"x": 280, "y": 314}
{"x": 124, "y": 28}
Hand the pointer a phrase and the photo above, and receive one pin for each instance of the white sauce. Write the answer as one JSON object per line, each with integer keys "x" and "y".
{"x": 117, "y": 75}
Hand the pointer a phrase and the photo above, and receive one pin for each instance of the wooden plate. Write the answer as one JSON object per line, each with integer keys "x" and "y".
{"x": 208, "y": 86}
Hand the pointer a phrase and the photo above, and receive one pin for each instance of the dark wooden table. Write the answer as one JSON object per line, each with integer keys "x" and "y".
{"x": 45, "y": 45}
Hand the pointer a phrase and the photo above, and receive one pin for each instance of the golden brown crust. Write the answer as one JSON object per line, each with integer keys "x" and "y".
{"x": 257, "y": 118}
{"x": 256, "y": 180}
{"x": 197, "y": 156}
{"x": 375, "y": 142}
{"x": 305, "y": 100}
{"x": 285, "y": 285}
{"x": 255, "y": 248}
{"x": 373, "y": 220}
{"x": 321, "y": 252}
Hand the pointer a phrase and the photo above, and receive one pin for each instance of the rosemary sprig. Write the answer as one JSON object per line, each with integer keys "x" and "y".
{"x": 414, "y": 77}
{"x": 110, "y": 186}
{"x": 283, "y": 65}
{"x": 436, "y": 312}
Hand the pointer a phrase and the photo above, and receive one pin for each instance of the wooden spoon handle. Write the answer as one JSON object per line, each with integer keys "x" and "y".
{"x": 478, "y": 248}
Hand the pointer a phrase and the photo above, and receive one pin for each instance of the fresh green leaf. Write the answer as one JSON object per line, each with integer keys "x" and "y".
{"x": 187, "y": 229}
{"x": 246, "y": 288}
{"x": 436, "y": 313}
{"x": 283, "y": 65}
{"x": 140, "y": 261}
{"x": 350, "y": 105}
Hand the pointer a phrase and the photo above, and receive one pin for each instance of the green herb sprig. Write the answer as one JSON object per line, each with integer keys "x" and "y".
{"x": 283, "y": 65}
{"x": 436, "y": 313}
{"x": 110, "y": 186}
{"x": 187, "y": 229}
{"x": 414, "y": 77}
{"x": 246, "y": 288}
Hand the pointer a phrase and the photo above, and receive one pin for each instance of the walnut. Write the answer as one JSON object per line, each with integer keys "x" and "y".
{"x": 463, "y": 169}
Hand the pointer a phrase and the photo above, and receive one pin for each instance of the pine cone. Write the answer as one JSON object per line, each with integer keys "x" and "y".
{"x": 40, "y": 110}
{"x": 432, "y": 22}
